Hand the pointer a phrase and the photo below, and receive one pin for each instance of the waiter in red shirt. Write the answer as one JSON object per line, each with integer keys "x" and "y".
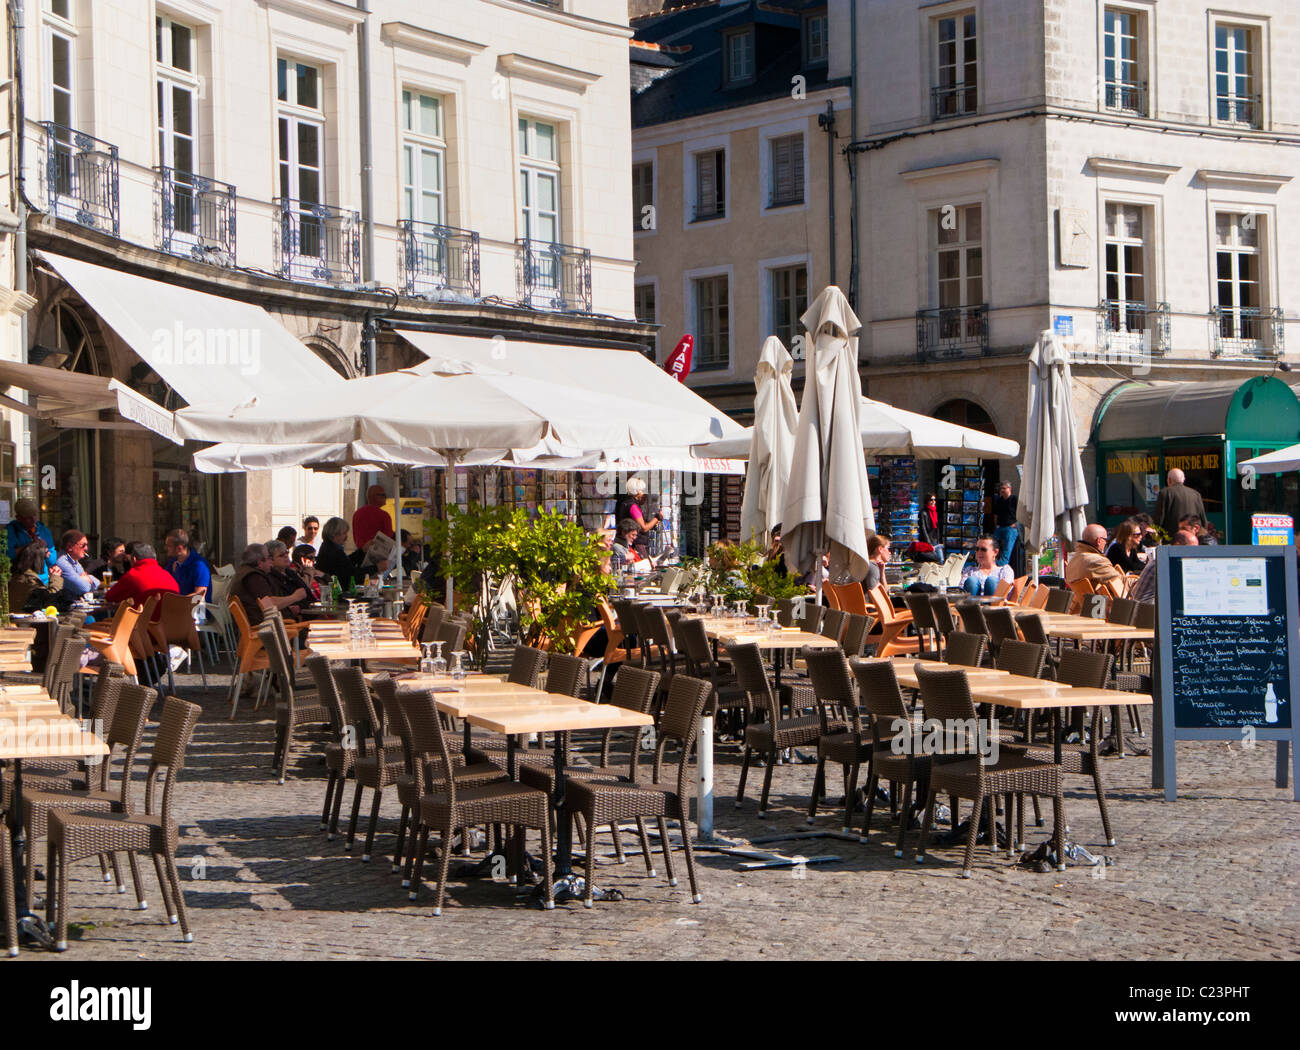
{"x": 145, "y": 577}
{"x": 372, "y": 518}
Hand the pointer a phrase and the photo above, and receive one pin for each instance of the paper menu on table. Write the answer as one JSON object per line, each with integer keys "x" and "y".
{"x": 1224, "y": 587}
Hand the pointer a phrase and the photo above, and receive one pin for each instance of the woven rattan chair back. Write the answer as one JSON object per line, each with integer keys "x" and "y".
{"x": 1001, "y": 623}
{"x": 1032, "y": 628}
{"x": 1123, "y": 611}
{"x": 395, "y": 715}
{"x": 945, "y": 695}
{"x": 833, "y": 688}
{"x": 811, "y": 621}
{"x": 270, "y": 640}
{"x": 972, "y": 618}
{"x": 134, "y": 702}
{"x": 319, "y": 669}
{"x": 879, "y": 695}
{"x": 695, "y": 646}
{"x": 785, "y": 612}
{"x": 919, "y": 606}
{"x": 432, "y": 622}
{"x": 1146, "y": 615}
{"x": 428, "y": 740}
{"x": 175, "y": 730}
{"x": 1088, "y": 670}
{"x": 107, "y": 692}
{"x": 656, "y": 639}
{"x": 452, "y": 635}
{"x": 966, "y": 649}
{"x": 855, "y": 634}
{"x": 634, "y": 689}
{"x": 751, "y": 676}
{"x": 358, "y": 706}
{"x": 941, "y": 614}
{"x": 53, "y": 656}
{"x": 1022, "y": 658}
{"x": 565, "y": 674}
{"x": 1058, "y": 599}
{"x": 833, "y": 624}
{"x": 526, "y": 666}
{"x": 679, "y": 724}
{"x": 67, "y": 667}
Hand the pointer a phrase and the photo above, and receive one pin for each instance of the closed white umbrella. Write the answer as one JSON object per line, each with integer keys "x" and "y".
{"x": 772, "y": 441}
{"x": 827, "y": 503}
{"x": 1053, "y": 489}
{"x": 1279, "y": 461}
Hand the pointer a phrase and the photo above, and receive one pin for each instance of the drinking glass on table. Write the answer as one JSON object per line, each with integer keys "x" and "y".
{"x": 438, "y": 665}
{"x": 458, "y": 670}
{"x": 426, "y": 659}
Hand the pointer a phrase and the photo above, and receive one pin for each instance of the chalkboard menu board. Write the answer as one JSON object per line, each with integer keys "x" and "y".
{"x": 1226, "y": 649}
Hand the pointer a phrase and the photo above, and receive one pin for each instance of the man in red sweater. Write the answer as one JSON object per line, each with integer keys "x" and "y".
{"x": 145, "y": 577}
{"x": 372, "y": 518}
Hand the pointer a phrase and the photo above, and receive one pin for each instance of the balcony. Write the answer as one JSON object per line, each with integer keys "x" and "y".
{"x": 1249, "y": 332}
{"x": 553, "y": 276}
{"x": 438, "y": 262}
{"x": 317, "y": 243}
{"x": 1246, "y": 110}
{"x": 194, "y": 216}
{"x": 952, "y": 332}
{"x": 81, "y": 178}
{"x": 1124, "y": 97}
{"x": 958, "y": 100}
{"x": 1132, "y": 331}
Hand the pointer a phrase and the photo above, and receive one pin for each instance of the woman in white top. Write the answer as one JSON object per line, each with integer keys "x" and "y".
{"x": 983, "y": 577}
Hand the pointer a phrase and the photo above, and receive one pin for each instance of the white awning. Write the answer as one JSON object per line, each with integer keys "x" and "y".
{"x": 207, "y": 348}
{"x": 74, "y": 399}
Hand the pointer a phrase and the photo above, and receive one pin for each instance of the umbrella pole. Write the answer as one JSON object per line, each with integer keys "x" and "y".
{"x": 397, "y": 526}
{"x": 448, "y": 495}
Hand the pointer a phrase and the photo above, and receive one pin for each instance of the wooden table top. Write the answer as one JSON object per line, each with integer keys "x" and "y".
{"x": 1061, "y": 696}
{"x": 574, "y": 714}
{"x": 514, "y": 706}
{"x": 1105, "y": 632}
{"x": 47, "y": 736}
{"x": 785, "y": 638}
{"x": 379, "y": 651}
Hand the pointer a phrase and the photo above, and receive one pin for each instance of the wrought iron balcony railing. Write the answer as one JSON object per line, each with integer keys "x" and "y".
{"x": 438, "y": 262}
{"x": 194, "y": 216}
{"x": 951, "y": 332}
{"x": 81, "y": 178}
{"x": 1131, "y": 330}
{"x": 1239, "y": 109}
{"x": 1246, "y": 332}
{"x": 957, "y": 100}
{"x": 553, "y": 276}
{"x": 318, "y": 243}
{"x": 1127, "y": 97}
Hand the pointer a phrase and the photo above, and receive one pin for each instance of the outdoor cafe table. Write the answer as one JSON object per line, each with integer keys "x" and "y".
{"x": 31, "y": 730}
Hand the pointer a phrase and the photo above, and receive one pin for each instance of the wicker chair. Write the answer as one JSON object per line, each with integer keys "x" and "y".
{"x": 941, "y": 615}
{"x": 854, "y": 640}
{"x": 294, "y": 708}
{"x": 74, "y": 836}
{"x": 841, "y": 739}
{"x": 882, "y": 699}
{"x": 972, "y": 618}
{"x": 700, "y": 663}
{"x": 1032, "y": 629}
{"x": 433, "y": 618}
{"x": 341, "y": 752}
{"x": 946, "y": 697}
{"x": 1001, "y": 622}
{"x": 526, "y": 665}
{"x": 8, "y": 901}
{"x": 1059, "y": 600}
{"x": 923, "y": 620}
{"x": 1087, "y": 670}
{"x": 811, "y": 621}
{"x": 379, "y": 759}
{"x": 127, "y": 730}
{"x": 770, "y": 737}
{"x": 966, "y": 649}
{"x": 833, "y": 624}
{"x": 449, "y": 805}
{"x": 602, "y": 803}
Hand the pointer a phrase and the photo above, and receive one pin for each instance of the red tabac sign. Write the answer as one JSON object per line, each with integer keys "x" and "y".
{"x": 678, "y": 364}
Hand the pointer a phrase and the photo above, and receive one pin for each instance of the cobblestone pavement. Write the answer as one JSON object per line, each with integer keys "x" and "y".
{"x": 1211, "y": 876}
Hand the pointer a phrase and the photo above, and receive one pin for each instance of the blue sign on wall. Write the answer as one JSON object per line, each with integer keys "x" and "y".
{"x": 1063, "y": 324}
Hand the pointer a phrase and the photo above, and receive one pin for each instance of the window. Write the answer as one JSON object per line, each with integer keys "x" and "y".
{"x": 816, "y": 45}
{"x": 1236, "y": 100}
{"x": 644, "y": 306}
{"x": 787, "y": 170}
{"x": 956, "y": 90}
{"x": 740, "y": 57}
{"x": 301, "y": 127}
{"x": 712, "y": 322}
{"x": 1236, "y": 265}
{"x": 1125, "y": 59}
{"x": 789, "y": 301}
{"x": 61, "y": 56}
{"x": 60, "y": 98}
{"x": 710, "y": 184}
{"x": 62, "y": 8}
{"x": 177, "y": 97}
{"x": 959, "y": 255}
{"x": 1126, "y": 261}
{"x": 424, "y": 158}
{"x": 643, "y": 195}
{"x": 539, "y": 195}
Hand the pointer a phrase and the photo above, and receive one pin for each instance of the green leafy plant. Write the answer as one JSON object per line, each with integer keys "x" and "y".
{"x": 6, "y": 568}
{"x": 768, "y": 582}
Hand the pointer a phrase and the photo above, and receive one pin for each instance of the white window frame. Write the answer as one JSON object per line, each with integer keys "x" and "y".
{"x": 652, "y": 159}
{"x": 932, "y": 16}
{"x": 1112, "y": 190}
{"x": 1145, "y": 15}
{"x": 418, "y": 143}
{"x": 934, "y": 248}
{"x": 1258, "y": 31}
{"x": 767, "y": 297}
{"x": 533, "y": 169}
{"x": 765, "y": 173}
{"x": 689, "y": 277}
{"x": 653, "y": 284}
{"x": 822, "y": 16}
{"x": 689, "y": 151}
{"x": 169, "y": 76}
{"x": 296, "y": 116}
{"x": 1265, "y": 251}
{"x": 55, "y": 26}
{"x": 728, "y": 40}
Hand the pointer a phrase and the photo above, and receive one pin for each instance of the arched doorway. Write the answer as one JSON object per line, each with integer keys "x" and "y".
{"x": 965, "y": 492}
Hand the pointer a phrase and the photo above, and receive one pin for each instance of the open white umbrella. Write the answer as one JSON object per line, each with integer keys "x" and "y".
{"x": 827, "y": 503}
{"x": 890, "y": 431}
{"x": 1053, "y": 489}
{"x": 771, "y": 441}
{"x": 1279, "y": 461}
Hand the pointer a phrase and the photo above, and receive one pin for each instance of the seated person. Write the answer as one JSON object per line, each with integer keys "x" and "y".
{"x": 983, "y": 577}
{"x": 412, "y": 554}
{"x": 75, "y": 579}
{"x": 32, "y": 585}
{"x": 111, "y": 553}
{"x": 188, "y": 566}
{"x": 1089, "y": 561}
{"x": 304, "y": 564}
{"x": 288, "y": 536}
{"x": 623, "y": 552}
{"x": 145, "y": 577}
{"x": 1125, "y": 550}
{"x": 878, "y": 558}
{"x": 285, "y": 580}
{"x": 332, "y": 559}
{"x": 253, "y": 586}
{"x": 25, "y": 529}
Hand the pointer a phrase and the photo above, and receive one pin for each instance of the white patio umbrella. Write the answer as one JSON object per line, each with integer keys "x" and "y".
{"x": 890, "y": 431}
{"x": 1053, "y": 489}
{"x": 772, "y": 441}
{"x": 827, "y": 504}
{"x": 1279, "y": 461}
